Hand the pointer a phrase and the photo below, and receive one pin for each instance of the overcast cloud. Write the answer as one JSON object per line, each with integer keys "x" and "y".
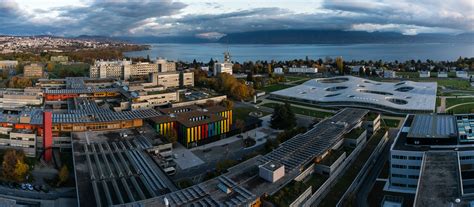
{"x": 212, "y": 19}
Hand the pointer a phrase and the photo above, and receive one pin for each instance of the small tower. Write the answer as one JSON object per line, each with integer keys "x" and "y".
{"x": 226, "y": 57}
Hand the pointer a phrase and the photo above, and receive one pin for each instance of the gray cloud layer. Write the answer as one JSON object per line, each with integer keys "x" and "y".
{"x": 122, "y": 18}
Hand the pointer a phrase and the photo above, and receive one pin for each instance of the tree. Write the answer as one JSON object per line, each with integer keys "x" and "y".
{"x": 340, "y": 65}
{"x": 269, "y": 69}
{"x": 14, "y": 166}
{"x": 63, "y": 175}
{"x": 228, "y": 104}
{"x": 240, "y": 125}
{"x": 283, "y": 117}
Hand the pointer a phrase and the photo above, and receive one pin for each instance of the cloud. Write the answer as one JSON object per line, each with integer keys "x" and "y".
{"x": 167, "y": 18}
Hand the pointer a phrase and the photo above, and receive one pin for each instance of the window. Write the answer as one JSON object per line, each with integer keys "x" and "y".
{"x": 399, "y": 184}
{"x": 398, "y": 175}
{"x": 413, "y": 176}
{"x": 414, "y": 158}
{"x": 412, "y": 186}
{"x": 399, "y": 166}
{"x": 466, "y": 157}
{"x": 399, "y": 157}
{"x": 412, "y": 167}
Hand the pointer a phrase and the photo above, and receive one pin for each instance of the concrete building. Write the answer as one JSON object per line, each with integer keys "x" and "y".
{"x": 165, "y": 65}
{"x": 224, "y": 67}
{"x": 8, "y": 65}
{"x": 18, "y": 98}
{"x": 278, "y": 70}
{"x": 442, "y": 74}
{"x": 108, "y": 69}
{"x": 389, "y": 74}
{"x": 139, "y": 69}
{"x": 462, "y": 74}
{"x": 402, "y": 97}
{"x": 425, "y": 74}
{"x": 173, "y": 79}
{"x": 302, "y": 69}
{"x": 33, "y": 71}
{"x": 433, "y": 147}
{"x": 144, "y": 100}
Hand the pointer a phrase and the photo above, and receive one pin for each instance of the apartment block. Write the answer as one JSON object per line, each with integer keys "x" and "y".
{"x": 33, "y": 71}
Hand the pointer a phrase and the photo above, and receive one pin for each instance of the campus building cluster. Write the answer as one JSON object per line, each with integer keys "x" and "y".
{"x": 125, "y": 69}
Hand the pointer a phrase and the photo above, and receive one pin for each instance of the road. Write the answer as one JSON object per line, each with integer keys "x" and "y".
{"x": 369, "y": 181}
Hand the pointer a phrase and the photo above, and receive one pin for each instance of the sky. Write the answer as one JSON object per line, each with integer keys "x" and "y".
{"x": 215, "y": 18}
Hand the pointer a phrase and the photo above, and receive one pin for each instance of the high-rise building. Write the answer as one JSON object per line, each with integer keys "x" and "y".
{"x": 165, "y": 65}
{"x": 224, "y": 67}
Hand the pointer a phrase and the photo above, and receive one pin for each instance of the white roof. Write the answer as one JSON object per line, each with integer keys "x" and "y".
{"x": 405, "y": 95}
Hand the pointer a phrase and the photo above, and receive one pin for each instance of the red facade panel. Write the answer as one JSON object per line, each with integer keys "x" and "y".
{"x": 47, "y": 135}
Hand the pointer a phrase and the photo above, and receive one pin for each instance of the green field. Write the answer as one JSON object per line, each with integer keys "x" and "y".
{"x": 408, "y": 74}
{"x": 72, "y": 70}
{"x": 303, "y": 111}
{"x": 463, "y": 109}
{"x": 295, "y": 78}
{"x": 457, "y": 84}
{"x": 243, "y": 112}
{"x": 275, "y": 87}
{"x": 454, "y": 101}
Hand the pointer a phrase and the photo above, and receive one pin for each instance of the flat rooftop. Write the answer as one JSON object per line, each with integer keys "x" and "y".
{"x": 433, "y": 126}
{"x": 439, "y": 183}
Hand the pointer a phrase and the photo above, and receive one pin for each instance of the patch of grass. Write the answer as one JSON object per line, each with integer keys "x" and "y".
{"x": 463, "y": 109}
{"x": 275, "y": 87}
{"x": 295, "y": 78}
{"x": 392, "y": 123}
{"x": 454, "y": 101}
{"x": 303, "y": 111}
{"x": 456, "y": 84}
{"x": 243, "y": 112}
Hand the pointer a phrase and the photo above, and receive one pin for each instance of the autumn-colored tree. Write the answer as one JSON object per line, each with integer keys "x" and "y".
{"x": 63, "y": 175}
{"x": 228, "y": 104}
{"x": 50, "y": 66}
{"x": 340, "y": 65}
{"x": 14, "y": 166}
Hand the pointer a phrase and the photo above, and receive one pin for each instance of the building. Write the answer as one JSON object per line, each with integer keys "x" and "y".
{"x": 165, "y": 65}
{"x": 278, "y": 70}
{"x": 139, "y": 70}
{"x": 108, "y": 69}
{"x": 224, "y": 67}
{"x": 462, "y": 74}
{"x": 19, "y": 98}
{"x": 401, "y": 98}
{"x": 33, "y": 71}
{"x": 389, "y": 74}
{"x": 425, "y": 74}
{"x": 60, "y": 59}
{"x": 151, "y": 99}
{"x": 8, "y": 65}
{"x": 423, "y": 139}
{"x": 173, "y": 79}
{"x": 271, "y": 171}
{"x": 194, "y": 125}
{"x": 302, "y": 69}
{"x": 442, "y": 74}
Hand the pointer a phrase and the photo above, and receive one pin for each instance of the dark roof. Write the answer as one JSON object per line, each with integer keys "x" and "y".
{"x": 433, "y": 126}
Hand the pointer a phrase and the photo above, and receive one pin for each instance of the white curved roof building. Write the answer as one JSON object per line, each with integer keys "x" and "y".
{"x": 394, "y": 97}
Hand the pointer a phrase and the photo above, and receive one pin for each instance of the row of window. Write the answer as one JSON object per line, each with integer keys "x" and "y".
{"x": 403, "y": 185}
{"x": 411, "y": 167}
{"x": 466, "y": 157}
{"x": 402, "y": 157}
{"x": 405, "y": 176}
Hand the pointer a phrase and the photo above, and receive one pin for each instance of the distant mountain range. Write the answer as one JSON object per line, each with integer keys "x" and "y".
{"x": 311, "y": 37}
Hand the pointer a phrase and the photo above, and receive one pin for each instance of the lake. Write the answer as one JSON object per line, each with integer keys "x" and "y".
{"x": 246, "y": 52}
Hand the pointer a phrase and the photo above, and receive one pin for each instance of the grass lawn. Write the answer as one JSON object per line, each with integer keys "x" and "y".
{"x": 243, "y": 112}
{"x": 275, "y": 87}
{"x": 457, "y": 84}
{"x": 303, "y": 111}
{"x": 72, "y": 70}
{"x": 392, "y": 123}
{"x": 295, "y": 78}
{"x": 332, "y": 198}
{"x": 463, "y": 109}
{"x": 454, "y": 101}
